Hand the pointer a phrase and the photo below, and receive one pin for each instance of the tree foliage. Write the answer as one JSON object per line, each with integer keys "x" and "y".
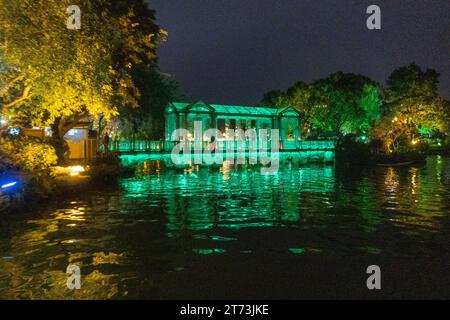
{"x": 147, "y": 122}
{"x": 346, "y": 103}
{"x": 393, "y": 117}
{"x": 341, "y": 103}
{"x": 27, "y": 153}
{"x": 66, "y": 75}
{"x": 412, "y": 96}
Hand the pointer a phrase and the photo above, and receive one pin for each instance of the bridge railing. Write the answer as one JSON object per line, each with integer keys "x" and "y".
{"x": 161, "y": 146}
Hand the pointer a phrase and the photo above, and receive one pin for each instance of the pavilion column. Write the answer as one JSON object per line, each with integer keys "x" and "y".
{"x": 184, "y": 122}
{"x": 300, "y": 123}
{"x": 177, "y": 122}
{"x": 213, "y": 124}
{"x": 280, "y": 128}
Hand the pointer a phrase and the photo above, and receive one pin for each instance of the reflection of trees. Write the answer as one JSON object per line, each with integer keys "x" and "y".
{"x": 406, "y": 196}
{"x": 41, "y": 254}
{"x": 411, "y": 197}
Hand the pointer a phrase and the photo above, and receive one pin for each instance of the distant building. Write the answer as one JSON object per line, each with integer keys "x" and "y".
{"x": 81, "y": 145}
{"x": 227, "y": 117}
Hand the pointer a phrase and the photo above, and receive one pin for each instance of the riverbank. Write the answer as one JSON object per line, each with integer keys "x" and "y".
{"x": 353, "y": 153}
{"x": 41, "y": 187}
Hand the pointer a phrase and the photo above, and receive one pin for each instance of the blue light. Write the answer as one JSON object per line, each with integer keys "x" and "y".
{"x": 9, "y": 185}
{"x": 14, "y": 131}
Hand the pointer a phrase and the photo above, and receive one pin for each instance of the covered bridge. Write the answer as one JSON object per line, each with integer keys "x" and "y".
{"x": 229, "y": 117}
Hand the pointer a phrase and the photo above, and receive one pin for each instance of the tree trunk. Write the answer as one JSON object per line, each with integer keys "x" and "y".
{"x": 61, "y": 126}
{"x": 103, "y": 136}
{"x": 61, "y": 146}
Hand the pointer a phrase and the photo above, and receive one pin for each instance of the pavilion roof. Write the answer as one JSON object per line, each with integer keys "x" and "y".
{"x": 231, "y": 109}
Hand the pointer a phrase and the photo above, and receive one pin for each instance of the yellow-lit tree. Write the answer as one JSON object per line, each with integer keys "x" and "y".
{"x": 412, "y": 96}
{"x": 57, "y": 76}
{"x": 413, "y": 105}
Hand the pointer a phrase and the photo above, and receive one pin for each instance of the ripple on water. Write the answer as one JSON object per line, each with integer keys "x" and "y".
{"x": 162, "y": 221}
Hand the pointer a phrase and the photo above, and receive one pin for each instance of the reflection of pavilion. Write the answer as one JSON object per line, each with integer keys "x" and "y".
{"x": 225, "y": 118}
{"x": 232, "y": 197}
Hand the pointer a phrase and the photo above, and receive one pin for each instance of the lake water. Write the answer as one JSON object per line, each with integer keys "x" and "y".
{"x": 230, "y": 232}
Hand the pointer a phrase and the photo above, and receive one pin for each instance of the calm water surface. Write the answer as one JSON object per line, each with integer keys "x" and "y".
{"x": 230, "y": 232}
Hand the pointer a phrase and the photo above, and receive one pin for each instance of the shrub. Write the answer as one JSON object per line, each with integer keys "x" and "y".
{"x": 27, "y": 153}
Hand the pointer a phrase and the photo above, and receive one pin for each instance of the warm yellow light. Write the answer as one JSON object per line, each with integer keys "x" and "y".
{"x": 395, "y": 119}
{"x": 76, "y": 169}
{"x": 414, "y": 142}
{"x": 69, "y": 171}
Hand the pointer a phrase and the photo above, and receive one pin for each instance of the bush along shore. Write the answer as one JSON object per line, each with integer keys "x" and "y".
{"x": 369, "y": 154}
{"x": 30, "y": 173}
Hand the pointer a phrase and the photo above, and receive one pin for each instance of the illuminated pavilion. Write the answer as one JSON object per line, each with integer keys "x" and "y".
{"x": 230, "y": 117}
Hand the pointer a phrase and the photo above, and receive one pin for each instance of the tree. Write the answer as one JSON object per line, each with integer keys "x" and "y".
{"x": 69, "y": 75}
{"x": 275, "y": 99}
{"x": 14, "y": 88}
{"x": 389, "y": 134}
{"x": 340, "y": 104}
{"x": 413, "y": 98}
{"x": 147, "y": 122}
{"x": 412, "y": 106}
{"x": 300, "y": 97}
{"x": 345, "y": 103}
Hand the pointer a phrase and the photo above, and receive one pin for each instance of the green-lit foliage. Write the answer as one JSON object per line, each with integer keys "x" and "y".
{"x": 370, "y": 102}
{"x": 345, "y": 103}
{"x": 275, "y": 98}
{"x": 412, "y": 95}
{"x": 341, "y": 103}
{"x": 147, "y": 122}
{"x": 413, "y": 107}
{"x": 300, "y": 97}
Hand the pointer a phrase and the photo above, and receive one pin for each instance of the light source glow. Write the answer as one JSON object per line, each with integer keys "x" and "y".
{"x": 9, "y": 185}
{"x": 76, "y": 170}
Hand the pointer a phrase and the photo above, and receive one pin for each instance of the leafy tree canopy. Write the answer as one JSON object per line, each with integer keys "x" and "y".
{"x": 56, "y": 76}
{"x": 341, "y": 103}
{"x": 412, "y": 96}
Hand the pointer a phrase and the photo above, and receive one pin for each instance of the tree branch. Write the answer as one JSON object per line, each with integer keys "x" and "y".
{"x": 25, "y": 96}
{"x": 5, "y": 89}
{"x": 66, "y": 125}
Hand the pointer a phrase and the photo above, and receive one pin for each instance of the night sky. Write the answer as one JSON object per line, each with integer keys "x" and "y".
{"x": 233, "y": 51}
